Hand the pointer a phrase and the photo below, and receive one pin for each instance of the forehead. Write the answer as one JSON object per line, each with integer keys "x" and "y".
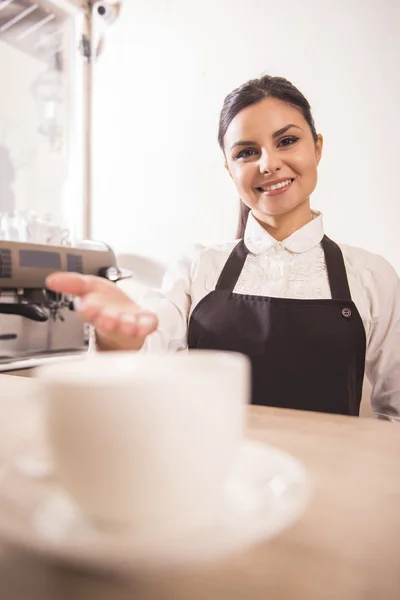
{"x": 262, "y": 119}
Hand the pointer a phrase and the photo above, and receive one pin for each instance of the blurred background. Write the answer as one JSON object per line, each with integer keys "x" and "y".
{"x": 122, "y": 147}
{"x": 158, "y": 176}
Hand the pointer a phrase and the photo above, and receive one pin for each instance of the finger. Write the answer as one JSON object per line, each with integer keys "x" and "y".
{"x": 139, "y": 324}
{"x": 108, "y": 320}
{"x": 146, "y": 324}
{"x": 89, "y": 307}
{"x": 129, "y": 324}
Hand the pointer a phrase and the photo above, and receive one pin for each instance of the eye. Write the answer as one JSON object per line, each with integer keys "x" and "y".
{"x": 288, "y": 141}
{"x": 246, "y": 153}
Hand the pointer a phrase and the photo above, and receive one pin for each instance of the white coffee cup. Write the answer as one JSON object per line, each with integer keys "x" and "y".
{"x": 147, "y": 440}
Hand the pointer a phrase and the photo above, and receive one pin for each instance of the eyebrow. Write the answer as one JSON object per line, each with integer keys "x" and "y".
{"x": 274, "y": 135}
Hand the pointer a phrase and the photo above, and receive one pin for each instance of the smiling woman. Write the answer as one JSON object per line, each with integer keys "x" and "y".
{"x": 312, "y": 316}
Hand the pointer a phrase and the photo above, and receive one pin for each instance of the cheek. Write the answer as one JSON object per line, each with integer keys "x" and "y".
{"x": 306, "y": 166}
{"x": 243, "y": 178}
{"x": 306, "y": 162}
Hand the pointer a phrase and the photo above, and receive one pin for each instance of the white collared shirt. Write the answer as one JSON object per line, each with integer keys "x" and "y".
{"x": 293, "y": 268}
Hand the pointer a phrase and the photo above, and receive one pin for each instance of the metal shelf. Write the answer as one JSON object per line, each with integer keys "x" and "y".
{"x": 30, "y": 27}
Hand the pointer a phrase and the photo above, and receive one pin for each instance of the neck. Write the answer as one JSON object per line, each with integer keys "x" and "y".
{"x": 281, "y": 227}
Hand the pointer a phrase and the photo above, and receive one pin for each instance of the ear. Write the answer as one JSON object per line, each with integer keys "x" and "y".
{"x": 318, "y": 148}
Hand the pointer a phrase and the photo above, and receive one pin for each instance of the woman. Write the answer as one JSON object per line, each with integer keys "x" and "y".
{"x": 310, "y": 314}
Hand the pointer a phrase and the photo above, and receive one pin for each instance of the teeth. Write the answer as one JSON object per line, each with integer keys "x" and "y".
{"x": 277, "y": 186}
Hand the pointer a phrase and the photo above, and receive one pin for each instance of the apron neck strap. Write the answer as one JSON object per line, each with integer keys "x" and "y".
{"x": 232, "y": 269}
{"x": 337, "y": 275}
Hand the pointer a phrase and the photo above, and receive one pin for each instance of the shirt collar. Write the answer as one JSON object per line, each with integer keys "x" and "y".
{"x": 259, "y": 241}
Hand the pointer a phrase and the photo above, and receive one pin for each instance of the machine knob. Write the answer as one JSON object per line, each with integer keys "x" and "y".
{"x": 110, "y": 273}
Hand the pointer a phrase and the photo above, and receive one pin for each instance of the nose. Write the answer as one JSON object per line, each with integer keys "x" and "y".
{"x": 269, "y": 162}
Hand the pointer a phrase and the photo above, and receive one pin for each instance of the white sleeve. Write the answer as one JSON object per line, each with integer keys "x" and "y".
{"x": 383, "y": 350}
{"x": 172, "y": 306}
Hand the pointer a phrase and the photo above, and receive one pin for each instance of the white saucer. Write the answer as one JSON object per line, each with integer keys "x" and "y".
{"x": 267, "y": 492}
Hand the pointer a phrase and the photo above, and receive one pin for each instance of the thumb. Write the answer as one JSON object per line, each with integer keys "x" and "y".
{"x": 77, "y": 284}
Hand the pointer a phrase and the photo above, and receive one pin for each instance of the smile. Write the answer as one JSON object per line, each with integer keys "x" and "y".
{"x": 277, "y": 186}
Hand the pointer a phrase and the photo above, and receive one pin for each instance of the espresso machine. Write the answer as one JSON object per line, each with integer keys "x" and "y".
{"x": 34, "y": 321}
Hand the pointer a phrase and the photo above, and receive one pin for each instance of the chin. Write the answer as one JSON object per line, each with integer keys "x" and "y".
{"x": 275, "y": 207}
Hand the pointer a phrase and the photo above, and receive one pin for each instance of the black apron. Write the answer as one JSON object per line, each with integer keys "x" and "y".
{"x": 305, "y": 354}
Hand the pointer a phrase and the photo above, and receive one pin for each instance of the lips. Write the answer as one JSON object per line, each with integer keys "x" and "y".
{"x": 275, "y": 185}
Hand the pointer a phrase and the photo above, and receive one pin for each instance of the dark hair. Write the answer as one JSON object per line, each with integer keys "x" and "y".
{"x": 253, "y": 92}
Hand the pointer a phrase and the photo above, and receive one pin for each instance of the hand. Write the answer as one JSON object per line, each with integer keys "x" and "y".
{"x": 120, "y": 323}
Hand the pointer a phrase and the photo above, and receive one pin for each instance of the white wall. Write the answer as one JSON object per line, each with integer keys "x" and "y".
{"x": 159, "y": 181}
